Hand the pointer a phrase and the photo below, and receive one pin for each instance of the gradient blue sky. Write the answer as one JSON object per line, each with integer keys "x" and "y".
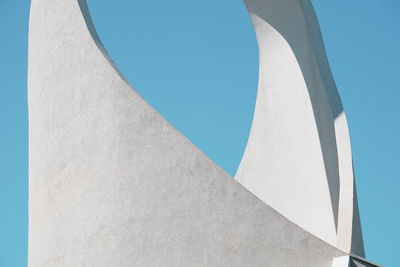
{"x": 196, "y": 62}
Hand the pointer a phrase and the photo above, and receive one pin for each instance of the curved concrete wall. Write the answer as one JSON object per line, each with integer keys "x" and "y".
{"x": 113, "y": 184}
{"x": 298, "y": 157}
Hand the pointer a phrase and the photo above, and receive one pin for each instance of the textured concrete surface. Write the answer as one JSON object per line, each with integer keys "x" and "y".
{"x": 113, "y": 184}
{"x": 298, "y": 158}
{"x": 349, "y": 261}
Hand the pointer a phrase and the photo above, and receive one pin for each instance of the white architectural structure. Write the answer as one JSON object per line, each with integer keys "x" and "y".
{"x": 298, "y": 158}
{"x": 112, "y": 183}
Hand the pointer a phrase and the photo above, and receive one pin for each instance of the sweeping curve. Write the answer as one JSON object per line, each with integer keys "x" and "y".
{"x": 112, "y": 183}
{"x": 298, "y": 156}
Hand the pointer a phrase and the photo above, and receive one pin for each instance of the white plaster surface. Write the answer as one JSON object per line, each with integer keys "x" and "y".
{"x": 298, "y": 158}
{"x": 111, "y": 183}
{"x": 352, "y": 261}
{"x": 341, "y": 261}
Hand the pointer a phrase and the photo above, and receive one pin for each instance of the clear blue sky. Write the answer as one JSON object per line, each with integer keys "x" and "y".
{"x": 196, "y": 62}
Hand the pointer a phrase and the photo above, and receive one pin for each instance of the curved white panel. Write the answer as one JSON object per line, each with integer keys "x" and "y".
{"x": 283, "y": 162}
{"x": 298, "y": 157}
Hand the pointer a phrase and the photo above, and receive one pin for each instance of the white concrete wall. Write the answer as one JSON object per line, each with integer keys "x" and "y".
{"x": 111, "y": 183}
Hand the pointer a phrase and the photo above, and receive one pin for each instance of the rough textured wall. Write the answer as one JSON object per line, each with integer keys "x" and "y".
{"x": 113, "y": 184}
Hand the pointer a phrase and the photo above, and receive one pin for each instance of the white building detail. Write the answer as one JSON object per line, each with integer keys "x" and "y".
{"x": 112, "y": 183}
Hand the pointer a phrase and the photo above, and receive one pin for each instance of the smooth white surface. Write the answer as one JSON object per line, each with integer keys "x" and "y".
{"x": 290, "y": 175}
{"x": 341, "y": 262}
{"x": 298, "y": 157}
